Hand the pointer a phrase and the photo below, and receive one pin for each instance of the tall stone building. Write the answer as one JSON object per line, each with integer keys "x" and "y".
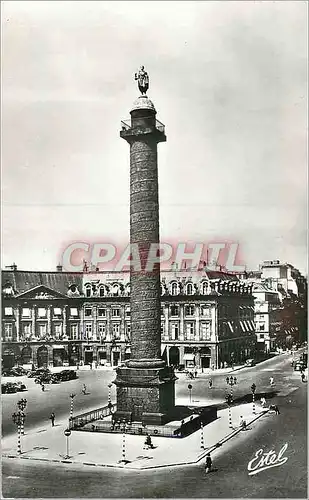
{"x": 60, "y": 318}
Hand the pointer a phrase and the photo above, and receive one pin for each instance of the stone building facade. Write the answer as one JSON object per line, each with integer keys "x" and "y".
{"x": 61, "y": 319}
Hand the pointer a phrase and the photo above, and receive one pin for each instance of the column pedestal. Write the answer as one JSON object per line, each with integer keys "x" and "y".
{"x": 145, "y": 395}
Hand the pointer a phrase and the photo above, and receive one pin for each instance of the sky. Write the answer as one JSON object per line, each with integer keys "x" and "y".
{"x": 228, "y": 80}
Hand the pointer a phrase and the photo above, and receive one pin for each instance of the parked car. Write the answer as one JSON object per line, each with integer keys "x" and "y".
{"x": 250, "y": 362}
{"x": 37, "y": 373}
{"x": 20, "y": 386}
{"x": 299, "y": 366}
{"x": 12, "y": 387}
{"x": 43, "y": 378}
{"x": 15, "y": 371}
{"x": 8, "y": 388}
{"x": 66, "y": 375}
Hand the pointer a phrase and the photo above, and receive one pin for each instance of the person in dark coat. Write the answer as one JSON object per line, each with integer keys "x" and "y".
{"x": 148, "y": 442}
{"x": 277, "y": 410}
{"x": 208, "y": 463}
{"x": 52, "y": 418}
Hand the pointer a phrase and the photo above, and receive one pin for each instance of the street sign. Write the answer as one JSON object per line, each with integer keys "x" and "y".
{"x": 67, "y": 433}
{"x": 189, "y": 387}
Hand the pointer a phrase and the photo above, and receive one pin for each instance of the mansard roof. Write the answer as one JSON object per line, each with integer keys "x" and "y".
{"x": 22, "y": 281}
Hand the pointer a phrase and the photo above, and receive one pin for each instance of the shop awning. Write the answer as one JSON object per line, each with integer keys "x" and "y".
{"x": 230, "y": 326}
{"x": 188, "y": 357}
{"x": 58, "y": 347}
{"x": 163, "y": 347}
{"x": 242, "y": 326}
{"x": 252, "y": 325}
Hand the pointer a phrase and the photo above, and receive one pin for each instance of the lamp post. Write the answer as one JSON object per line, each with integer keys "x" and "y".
{"x": 109, "y": 394}
{"x": 67, "y": 434}
{"x": 190, "y": 392}
{"x": 72, "y": 396}
{"x": 18, "y": 419}
{"x": 231, "y": 381}
{"x": 202, "y": 436}
{"x": 253, "y": 388}
{"x": 22, "y": 403}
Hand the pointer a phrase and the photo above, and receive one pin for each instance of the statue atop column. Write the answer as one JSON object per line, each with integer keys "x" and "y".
{"x": 143, "y": 80}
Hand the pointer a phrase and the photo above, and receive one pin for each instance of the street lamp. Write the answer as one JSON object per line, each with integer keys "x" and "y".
{"x": 22, "y": 403}
{"x": 109, "y": 395}
{"x": 253, "y": 388}
{"x": 190, "y": 392}
{"x": 231, "y": 381}
{"x": 18, "y": 419}
{"x": 202, "y": 436}
{"x": 72, "y": 396}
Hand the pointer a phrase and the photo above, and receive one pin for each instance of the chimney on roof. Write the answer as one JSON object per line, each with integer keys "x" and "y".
{"x": 13, "y": 267}
{"x": 59, "y": 268}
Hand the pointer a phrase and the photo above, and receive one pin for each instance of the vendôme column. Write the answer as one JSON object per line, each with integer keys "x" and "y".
{"x": 146, "y": 385}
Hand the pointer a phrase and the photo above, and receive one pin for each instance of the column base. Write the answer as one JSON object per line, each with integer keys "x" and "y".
{"x": 145, "y": 395}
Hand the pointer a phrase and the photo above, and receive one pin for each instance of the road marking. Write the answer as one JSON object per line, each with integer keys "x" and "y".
{"x": 13, "y": 477}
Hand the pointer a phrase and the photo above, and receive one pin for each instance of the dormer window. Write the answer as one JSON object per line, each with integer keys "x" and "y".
{"x": 102, "y": 291}
{"x": 205, "y": 288}
{"x": 88, "y": 291}
{"x": 8, "y": 311}
{"x": 174, "y": 288}
{"x": 115, "y": 290}
{"x": 190, "y": 289}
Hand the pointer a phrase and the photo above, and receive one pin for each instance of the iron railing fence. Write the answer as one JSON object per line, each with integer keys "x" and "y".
{"x": 126, "y": 125}
{"x": 79, "y": 421}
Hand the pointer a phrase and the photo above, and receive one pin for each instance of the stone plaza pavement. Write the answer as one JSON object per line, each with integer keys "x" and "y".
{"x": 49, "y": 444}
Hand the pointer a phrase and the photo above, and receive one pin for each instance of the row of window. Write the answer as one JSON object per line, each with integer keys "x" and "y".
{"x": 190, "y": 330}
{"x": 189, "y": 310}
{"x": 174, "y": 288}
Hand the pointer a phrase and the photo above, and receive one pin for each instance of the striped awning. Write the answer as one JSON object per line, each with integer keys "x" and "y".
{"x": 230, "y": 326}
{"x": 242, "y": 325}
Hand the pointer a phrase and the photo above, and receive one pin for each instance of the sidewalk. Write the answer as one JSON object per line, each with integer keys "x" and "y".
{"x": 99, "y": 449}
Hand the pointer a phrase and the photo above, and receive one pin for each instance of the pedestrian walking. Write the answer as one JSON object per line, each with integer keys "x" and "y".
{"x": 271, "y": 381}
{"x": 210, "y": 383}
{"x": 277, "y": 410}
{"x": 148, "y": 442}
{"x": 84, "y": 389}
{"x": 208, "y": 464}
{"x": 43, "y": 387}
{"x": 242, "y": 423}
{"x": 263, "y": 402}
{"x": 303, "y": 376}
{"x": 195, "y": 373}
{"x": 52, "y": 418}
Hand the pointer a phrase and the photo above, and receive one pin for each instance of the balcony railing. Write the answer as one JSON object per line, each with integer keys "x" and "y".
{"x": 126, "y": 125}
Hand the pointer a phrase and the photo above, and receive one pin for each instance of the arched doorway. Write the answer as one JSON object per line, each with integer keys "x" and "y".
{"x": 26, "y": 355}
{"x": 60, "y": 356}
{"x": 174, "y": 356}
{"x": 42, "y": 357}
